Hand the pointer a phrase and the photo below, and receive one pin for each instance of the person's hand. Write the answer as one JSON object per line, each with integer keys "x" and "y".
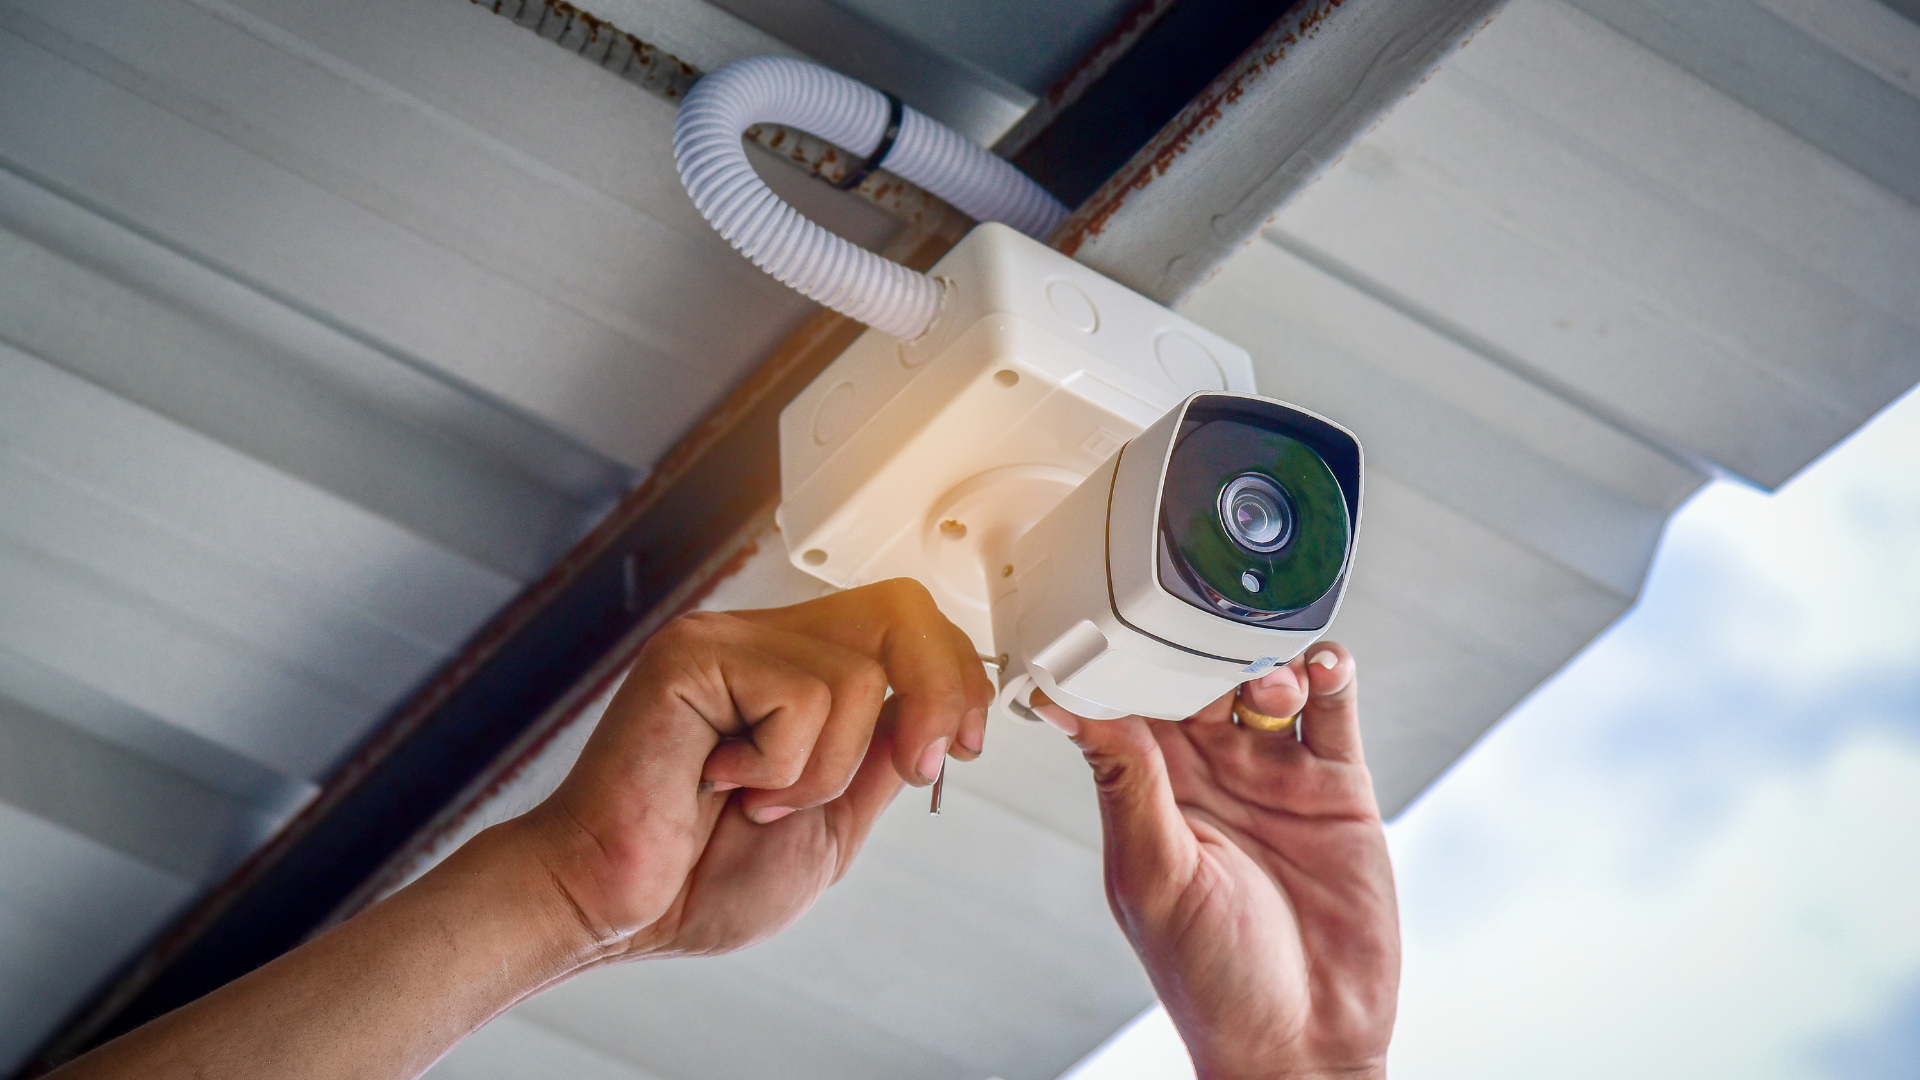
{"x": 743, "y": 762}
{"x": 1249, "y": 870}
{"x": 732, "y": 779}
{"x": 935, "y": 672}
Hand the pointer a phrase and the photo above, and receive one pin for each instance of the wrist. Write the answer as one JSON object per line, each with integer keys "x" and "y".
{"x": 499, "y": 893}
{"x": 1266, "y": 1059}
{"x": 1255, "y": 1071}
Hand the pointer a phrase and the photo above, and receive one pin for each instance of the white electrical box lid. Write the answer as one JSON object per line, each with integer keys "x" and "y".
{"x": 916, "y": 458}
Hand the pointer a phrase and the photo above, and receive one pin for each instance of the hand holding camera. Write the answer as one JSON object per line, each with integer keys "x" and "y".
{"x": 1249, "y": 869}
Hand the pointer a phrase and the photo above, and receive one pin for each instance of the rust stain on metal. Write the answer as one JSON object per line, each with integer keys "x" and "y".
{"x": 1111, "y": 47}
{"x": 660, "y": 72}
{"x": 1088, "y": 70}
{"x": 1193, "y": 123}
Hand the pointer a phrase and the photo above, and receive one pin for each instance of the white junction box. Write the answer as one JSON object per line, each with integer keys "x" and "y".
{"x": 930, "y": 458}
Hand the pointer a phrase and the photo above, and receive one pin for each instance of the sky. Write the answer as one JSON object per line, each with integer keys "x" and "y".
{"x": 1696, "y": 850}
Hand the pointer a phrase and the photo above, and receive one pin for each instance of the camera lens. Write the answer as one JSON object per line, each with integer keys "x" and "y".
{"x": 1253, "y": 519}
{"x": 1256, "y": 514}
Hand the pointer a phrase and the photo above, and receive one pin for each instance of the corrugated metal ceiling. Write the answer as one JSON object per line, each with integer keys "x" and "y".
{"x": 326, "y": 326}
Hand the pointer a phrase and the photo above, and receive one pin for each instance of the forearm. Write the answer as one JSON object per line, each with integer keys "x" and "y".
{"x": 640, "y": 851}
{"x": 382, "y": 995}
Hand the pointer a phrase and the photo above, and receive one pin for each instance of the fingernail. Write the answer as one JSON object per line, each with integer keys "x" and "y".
{"x": 767, "y": 815}
{"x": 972, "y": 734}
{"x": 708, "y": 787}
{"x": 1325, "y": 658}
{"x": 1060, "y": 718}
{"x": 932, "y": 759}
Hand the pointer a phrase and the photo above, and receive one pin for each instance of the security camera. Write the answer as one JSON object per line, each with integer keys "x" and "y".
{"x": 1211, "y": 548}
{"x": 1083, "y": 479}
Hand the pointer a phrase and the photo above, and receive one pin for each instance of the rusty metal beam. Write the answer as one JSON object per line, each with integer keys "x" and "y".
{"x": 1260, "y": 133}
{"x": 1070, "y": 88}
{"x": 1155, "y": 62}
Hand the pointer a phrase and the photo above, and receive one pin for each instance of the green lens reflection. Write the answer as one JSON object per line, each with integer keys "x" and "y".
{"x": 1208, "y": 472}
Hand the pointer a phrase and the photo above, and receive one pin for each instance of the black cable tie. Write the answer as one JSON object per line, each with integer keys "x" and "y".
{"x": 865, "y": 169}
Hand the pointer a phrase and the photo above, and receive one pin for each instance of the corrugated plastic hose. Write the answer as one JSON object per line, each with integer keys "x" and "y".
{"x": 843, "y": 276}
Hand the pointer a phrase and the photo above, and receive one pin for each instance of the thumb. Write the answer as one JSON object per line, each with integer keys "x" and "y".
{"x": 1150, "y": 850}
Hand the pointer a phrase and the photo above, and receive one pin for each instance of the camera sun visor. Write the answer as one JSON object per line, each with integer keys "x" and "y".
{"x": 1255, "y": 519}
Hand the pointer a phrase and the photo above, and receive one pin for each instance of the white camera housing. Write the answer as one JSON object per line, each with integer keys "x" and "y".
{"x": 1100, "y": 613}
{"x": 934, "y": 458}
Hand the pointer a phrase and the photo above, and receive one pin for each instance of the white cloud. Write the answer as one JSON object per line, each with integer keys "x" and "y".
{"x": 1693, "y": 852}
{"x": 1790, "y": 924}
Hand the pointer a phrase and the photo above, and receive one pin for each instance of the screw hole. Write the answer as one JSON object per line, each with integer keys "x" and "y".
{"x": 1006, "y": 377}
{"x": 953, "y": 530}
{"x": 814, "y": 557}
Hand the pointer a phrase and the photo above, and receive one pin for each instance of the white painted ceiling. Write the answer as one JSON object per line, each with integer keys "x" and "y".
{"x": 326, "y": 325}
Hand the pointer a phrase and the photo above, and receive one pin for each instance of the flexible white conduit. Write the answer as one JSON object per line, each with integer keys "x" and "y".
{"x": 843, "y": 276}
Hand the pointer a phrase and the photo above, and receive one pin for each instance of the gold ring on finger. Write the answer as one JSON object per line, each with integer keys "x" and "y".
{"x": 1259, "y": 721}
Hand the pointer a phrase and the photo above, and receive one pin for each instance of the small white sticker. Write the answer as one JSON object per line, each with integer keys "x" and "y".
{"x": 1261, "y": 666}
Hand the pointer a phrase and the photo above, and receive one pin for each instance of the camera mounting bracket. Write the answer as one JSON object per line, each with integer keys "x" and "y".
{"x": 929, "y": 458}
